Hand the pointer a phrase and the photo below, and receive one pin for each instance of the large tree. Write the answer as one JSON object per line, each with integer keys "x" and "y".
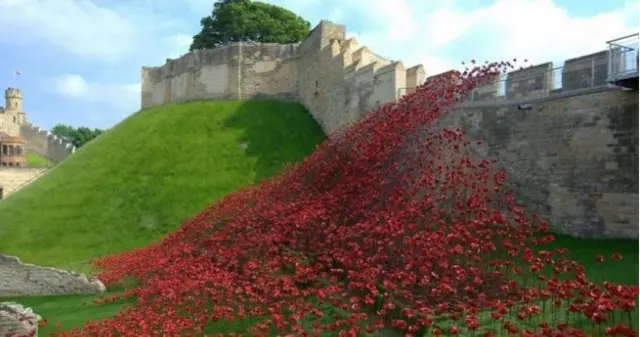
{"x": 246, "y": 20}
{"x": 77, "y": 136}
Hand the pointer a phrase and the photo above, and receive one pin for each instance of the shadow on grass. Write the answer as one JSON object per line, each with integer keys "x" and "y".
{"x": 280, "y": 133}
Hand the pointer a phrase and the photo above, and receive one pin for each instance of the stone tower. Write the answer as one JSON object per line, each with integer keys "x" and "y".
{"x": 12, "y": 144}
{"x": 13, "y": 106}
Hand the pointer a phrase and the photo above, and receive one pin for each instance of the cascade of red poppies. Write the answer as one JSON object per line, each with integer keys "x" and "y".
{"x": 393, "y": 224}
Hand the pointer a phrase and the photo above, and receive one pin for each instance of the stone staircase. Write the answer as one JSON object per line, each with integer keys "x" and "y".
{"x": 14, "y": 178}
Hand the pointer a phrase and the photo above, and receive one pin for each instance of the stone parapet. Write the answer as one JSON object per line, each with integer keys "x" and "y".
{"x": 45, "y": 143}
{"x": 336, "y": 79}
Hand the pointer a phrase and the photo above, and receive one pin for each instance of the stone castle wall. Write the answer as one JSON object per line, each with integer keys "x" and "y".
{"x": 13, "y": 122}
{"x": 574, "y": 159}
{"x": 336, "y": 79}
{"x": 568, "y": 140}
{"x": 571, "y": 147}
{"x": 42, "y": 143}
{"x": 17, "y": 320}
{"x": 45, "y": 143}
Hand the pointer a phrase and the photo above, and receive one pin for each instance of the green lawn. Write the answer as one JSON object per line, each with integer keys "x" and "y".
{"x": 69, "y": 311}
{"x": 585, "y": 251}
{"x": 74, "y": 311}
{"x": 143, "y": 178}
{"x": 37, "y": 161}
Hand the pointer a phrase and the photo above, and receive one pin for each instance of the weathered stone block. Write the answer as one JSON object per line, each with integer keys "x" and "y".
{"x": 534, "y": 81}
{"x": 21, "y": 279}
{"x": 574, "y": 159}
{"x": 17, "y": 320}
{"x": 585, "y": 72}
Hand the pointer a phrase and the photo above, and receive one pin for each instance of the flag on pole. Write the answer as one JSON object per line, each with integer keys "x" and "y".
{"x": 16, "y": 73}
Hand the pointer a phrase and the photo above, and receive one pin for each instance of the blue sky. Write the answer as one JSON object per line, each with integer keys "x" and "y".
{"x": 80, "y": 59}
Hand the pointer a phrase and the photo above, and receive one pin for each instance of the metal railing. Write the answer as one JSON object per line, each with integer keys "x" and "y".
{"x": 537, "y": 82}
{"x": 623, "y": 57}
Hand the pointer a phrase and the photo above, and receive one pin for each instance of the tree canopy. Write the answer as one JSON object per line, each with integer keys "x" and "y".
{"x": 77, "y": 136}
{"x": 249, "y": 21}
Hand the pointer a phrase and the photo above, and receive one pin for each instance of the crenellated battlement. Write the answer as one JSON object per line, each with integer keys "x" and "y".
{"x": 578, "y": 74}
{"x": 13, "y": 93}
{"x": 339, "y": 80}
{"x": 45, "y": 143}
{"x": 336, "y": 78}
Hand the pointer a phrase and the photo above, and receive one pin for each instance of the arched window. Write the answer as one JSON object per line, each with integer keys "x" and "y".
{"x": 14, "y": 119}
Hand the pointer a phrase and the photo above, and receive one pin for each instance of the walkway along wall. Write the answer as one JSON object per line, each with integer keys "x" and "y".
{"x": 571, "y": 147}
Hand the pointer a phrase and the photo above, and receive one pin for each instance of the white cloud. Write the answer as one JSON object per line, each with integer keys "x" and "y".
{"x": 102, "y": 45}
{"x": 411, "y": 30}
{"x": 336, "y": 15}
{"x": 437, "y": 34}
{"x": 121, "y": 96}
{"x": 558, "y": 35}
{"x": 72, "y": 85}
{"x": 79, "y": 26}
{"x": 178, "y": 44}
{"x": 441, "y": 38}
{"x": 86, "y": 29}
{"x": 394, "y": 19}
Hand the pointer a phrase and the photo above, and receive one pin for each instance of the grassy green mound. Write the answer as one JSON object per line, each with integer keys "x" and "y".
{"x": 36, "y": 161}
{"x": 143, "y": 178}
{"x": 140, "y": 180}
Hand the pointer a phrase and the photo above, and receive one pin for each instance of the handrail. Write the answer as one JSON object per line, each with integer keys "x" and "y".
{"x": 576, "y": 75}
{"x": 622, "y": 38}
{"x": 623, "y": 58}
{"x": 624, "y": 48}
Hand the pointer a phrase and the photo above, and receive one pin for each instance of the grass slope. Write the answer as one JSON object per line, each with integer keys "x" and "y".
{"x": 160, "y": 166}
{"x": 140, "y": 180}
{"x": 36, "y": 161}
